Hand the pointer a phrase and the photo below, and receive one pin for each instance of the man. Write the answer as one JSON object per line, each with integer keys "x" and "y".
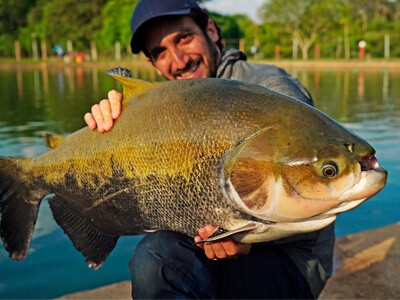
{"x": 182, "y": 42}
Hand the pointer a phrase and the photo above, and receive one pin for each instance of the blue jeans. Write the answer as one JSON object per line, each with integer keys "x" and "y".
{"x": 169, "y": 265}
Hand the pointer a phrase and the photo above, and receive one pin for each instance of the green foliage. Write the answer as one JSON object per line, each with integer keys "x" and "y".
{"x": 311, "y": 22}
{"x": 115, "y": 15}
{"x": 307, "y": 22}
{"x": 230, "y": 30}
{"x": 65, "y": 20}
{"x": 247, "y": 29}
{"x": 6, "y": 45}
{"x": 13, "y": 15}
{"x": 57, "y": 21}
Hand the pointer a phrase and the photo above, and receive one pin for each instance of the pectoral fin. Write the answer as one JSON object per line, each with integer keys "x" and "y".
{"x": 52, "y": 140}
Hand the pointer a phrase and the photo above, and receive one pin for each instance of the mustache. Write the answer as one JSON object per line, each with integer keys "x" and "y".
{"x": 191, "y": 64}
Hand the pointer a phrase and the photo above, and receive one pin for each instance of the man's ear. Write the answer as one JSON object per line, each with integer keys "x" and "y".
{"x": 212, "y": 31}
{"x": 151, "y": 62}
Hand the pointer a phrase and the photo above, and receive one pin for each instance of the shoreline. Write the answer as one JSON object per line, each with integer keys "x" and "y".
{"x": 367, "y": 268}
{"x": 379, "y": 65}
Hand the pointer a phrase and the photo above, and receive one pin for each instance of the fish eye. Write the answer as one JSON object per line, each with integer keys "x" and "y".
{"x": 330, "y": 169}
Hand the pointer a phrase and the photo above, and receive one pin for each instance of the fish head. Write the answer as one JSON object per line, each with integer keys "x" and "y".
{"x": 290, "y": 175}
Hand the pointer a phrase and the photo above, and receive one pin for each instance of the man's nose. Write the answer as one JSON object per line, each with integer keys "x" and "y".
{"x": 179, "y": 58}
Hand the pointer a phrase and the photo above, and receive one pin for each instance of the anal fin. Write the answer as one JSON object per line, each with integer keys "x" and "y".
{"x": 94, "y": 245}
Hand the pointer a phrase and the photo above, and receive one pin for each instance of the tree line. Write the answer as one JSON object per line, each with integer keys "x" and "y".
{"x": 288, "y": 28}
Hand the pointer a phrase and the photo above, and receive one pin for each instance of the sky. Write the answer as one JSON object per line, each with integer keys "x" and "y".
{"x": 227, "y": 7}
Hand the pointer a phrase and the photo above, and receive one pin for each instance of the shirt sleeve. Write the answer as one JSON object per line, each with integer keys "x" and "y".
{"x": 272, "y": 77}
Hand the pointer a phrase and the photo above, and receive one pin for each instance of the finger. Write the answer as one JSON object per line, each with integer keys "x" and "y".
{"x": 89, "y": 119}
{"x": 115, "y": 98}
{"x": 230, "y": 247}
{"x": 209, "y": 251}
{"x": 214, "y": 248}
{"x": 105, "y": 108}
{"x": 218, "y": 250}
{"x": 210, "y": 230}
{"x": 98, "y": 117}
{"x": 203, "y": 233}
{"x": 198, "y": 239}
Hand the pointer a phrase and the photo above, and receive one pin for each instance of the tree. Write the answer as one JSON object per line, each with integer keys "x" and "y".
{"x": 115, "y": 15}
{"x": 247, "y": 31}
{"x": 13, "y": 15}
{"x": 57, "y": 21}
{"x": 291, "y": 24}
{"x": 75, "y": 20}
{"x": 369, "y": 20}
{"x": 306, "y": 20}
{"x": 229, "y": 29}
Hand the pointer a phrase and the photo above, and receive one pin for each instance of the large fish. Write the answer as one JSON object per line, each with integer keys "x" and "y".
{"x": 187, "y": 153}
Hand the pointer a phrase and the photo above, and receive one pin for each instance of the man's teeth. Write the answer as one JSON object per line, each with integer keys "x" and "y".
{"x": 190, "y": 71}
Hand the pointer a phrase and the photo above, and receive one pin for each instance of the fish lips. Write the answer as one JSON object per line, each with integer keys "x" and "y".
{"x": 371, "y": 182}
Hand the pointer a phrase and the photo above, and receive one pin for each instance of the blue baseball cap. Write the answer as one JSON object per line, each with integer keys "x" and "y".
{"x": 147, "y": 10}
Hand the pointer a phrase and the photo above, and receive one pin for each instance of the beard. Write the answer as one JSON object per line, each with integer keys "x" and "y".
{"x": 214, "y": 57}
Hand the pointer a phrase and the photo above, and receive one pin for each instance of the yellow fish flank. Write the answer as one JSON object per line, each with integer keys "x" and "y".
{"x": 187, "y": 153}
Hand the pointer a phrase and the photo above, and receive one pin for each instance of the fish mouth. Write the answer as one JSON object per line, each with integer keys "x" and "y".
{"x": 373, "y": 173}
{"x": 373, "y": 178}
{"x": 369, "y": 162}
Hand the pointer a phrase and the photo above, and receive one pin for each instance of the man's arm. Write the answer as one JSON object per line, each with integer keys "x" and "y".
{"x": 104, "y": 114}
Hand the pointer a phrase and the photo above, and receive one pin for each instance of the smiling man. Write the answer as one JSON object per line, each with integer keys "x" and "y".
{"x": 178, "y": 49}
{"x": 182, "y": 42}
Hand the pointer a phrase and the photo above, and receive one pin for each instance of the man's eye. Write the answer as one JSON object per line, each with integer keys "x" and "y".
{"x": 158, "y": 54}
{"x": 186, "y": 38}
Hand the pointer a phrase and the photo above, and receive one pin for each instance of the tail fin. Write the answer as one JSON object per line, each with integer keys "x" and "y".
{"x": 19, "y": 205}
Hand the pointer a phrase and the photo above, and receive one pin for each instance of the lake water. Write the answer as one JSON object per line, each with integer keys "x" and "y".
{"x": 55, "y": 99}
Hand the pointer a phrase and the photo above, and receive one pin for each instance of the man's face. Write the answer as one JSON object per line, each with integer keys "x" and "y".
{"x": 178, "y": 49}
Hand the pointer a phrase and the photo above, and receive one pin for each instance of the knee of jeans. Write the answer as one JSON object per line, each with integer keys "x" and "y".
{"x": 152, "y": 248}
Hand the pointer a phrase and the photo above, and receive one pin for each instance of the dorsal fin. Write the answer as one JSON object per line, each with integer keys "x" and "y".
{"x": 51, "y": 139}
{"x": 130, "y": 85}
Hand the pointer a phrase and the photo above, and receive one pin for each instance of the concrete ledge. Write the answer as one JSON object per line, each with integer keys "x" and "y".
{"x": 369, "y": 266}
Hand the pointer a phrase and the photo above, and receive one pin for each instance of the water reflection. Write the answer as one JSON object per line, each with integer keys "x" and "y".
{"x": 341, "y": 94}
{"x": 61, "y": 94}
{"x": 354, "y": 95}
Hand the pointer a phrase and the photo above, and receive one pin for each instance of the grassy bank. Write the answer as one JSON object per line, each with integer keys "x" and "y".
{"x": 355, "y": 64}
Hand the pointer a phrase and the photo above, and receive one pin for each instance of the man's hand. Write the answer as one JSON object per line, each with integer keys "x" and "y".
{"x": 222, "y": 249}
{"x": 103, "y": 114}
